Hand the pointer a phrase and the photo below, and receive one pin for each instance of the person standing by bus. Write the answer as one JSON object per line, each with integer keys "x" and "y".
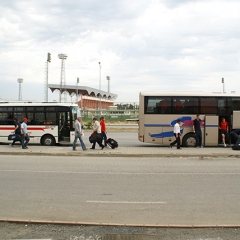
{"x": 223, "y": 126}
{"x": 197, "y": 130}
{"x": 78, "y": 134}
{"x": 103, "y": 129}
{"x": 177, "y": 134}
{"x": 25, "y": 137}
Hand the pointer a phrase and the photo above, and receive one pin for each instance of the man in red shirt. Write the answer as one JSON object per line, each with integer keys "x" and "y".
{"x": 223, "y": 126}
{"x": 103, "y": 129}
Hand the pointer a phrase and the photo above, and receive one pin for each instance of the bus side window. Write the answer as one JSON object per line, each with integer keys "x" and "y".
{"x": 32, "y": 122}
{"x": 236, "y": 104}
{"x": 221, "y": 106}
{"x": 10, "y": 119}
{"x": 164, "y": 106}
{"x": 209, "y": 105}
{"x": 157, "y": 109}
{"x": 178, "y": 107}
{"x": 191, "y": 106}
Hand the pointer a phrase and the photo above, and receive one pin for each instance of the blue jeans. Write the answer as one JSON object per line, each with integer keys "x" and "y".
{"x": 104, "y": 138}
{"x": 81, "y": 141}
{"x": 25, "y": 140}
{"x": 198, "y": 138}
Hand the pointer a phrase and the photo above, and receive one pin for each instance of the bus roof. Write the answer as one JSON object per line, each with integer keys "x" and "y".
{"x": 190, "y": 94}
{"x": 35, "y": 104}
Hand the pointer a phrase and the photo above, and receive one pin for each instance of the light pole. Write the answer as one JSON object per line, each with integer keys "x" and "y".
{"x": 77, "y": 90}
{"x": 20, "y": 81}
{"x": 223, "y": 85}
{"x": 100, "y": 84}
{"x": 108, "y": 78}
{"x": 46, "y": 83}
{"x": 63, "y": 57}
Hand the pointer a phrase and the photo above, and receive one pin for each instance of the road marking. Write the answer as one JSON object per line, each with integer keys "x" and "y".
{"x": 129, "y": 173}
{"x": 125, "y": 202}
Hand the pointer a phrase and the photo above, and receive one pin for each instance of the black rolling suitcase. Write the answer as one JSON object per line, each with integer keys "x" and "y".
{"x": 112, "y": 143}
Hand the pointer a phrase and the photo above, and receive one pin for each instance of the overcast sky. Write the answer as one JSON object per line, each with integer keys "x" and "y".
{"x": 163, "y": 45}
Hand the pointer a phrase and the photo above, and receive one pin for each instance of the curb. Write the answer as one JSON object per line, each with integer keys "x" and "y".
{"x": 117, "y": 224}
{"x": 110, "y": 154}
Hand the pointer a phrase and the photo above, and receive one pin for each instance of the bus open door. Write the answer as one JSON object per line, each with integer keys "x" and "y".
{"x": 211, "y": 131}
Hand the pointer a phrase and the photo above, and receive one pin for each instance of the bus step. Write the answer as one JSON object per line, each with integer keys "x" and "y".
{"x": 66, "y": 139}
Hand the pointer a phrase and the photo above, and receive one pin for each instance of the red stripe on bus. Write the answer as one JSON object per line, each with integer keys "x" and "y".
{"x": 31, "y": 128}
{"x": 7, "y": 128}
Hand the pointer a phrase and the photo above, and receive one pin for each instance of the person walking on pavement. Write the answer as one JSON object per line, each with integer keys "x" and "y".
{"x": 17, "y": 131}
{"x": 223, "y": 126}
{"x": 177, "y": 134}
{"x": 97, "y": 134}
{"x": 103, "y": 130}
{"x": 25, "y": 137}
{"x": 78, "y": 134}
{"x": 197, "y": 130}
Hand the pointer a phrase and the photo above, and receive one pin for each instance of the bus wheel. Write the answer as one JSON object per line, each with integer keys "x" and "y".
{"x": 189, "y": 140}
{"x": 48, "y": 140}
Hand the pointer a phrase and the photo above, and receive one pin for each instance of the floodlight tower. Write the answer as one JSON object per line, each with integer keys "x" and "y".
{"x": 63, "y": 97}
{"x": 223, "y": 85}
{"x": 20, "y": 81}
{"x": 108, "y": 78}
{"x": 46, "y": 79}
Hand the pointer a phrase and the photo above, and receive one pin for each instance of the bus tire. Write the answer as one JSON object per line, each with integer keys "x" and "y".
{"x": 189, "y": 140}
{"x": 48, "y": 140}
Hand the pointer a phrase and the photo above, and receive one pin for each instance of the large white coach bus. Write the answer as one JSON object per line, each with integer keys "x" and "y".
{"x": 48, "y": 123}
{"x": 158, "y": 112}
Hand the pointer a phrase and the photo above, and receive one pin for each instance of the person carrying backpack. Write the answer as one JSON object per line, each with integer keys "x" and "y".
{"x": 17, "y": 131}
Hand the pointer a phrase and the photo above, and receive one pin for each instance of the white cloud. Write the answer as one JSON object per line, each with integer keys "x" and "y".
{"x": 142, "y": 45}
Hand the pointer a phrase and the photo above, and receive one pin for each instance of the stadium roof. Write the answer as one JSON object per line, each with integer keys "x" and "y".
{"x": 85, "y": 91}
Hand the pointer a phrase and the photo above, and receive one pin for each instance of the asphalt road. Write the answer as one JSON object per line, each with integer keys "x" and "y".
{"x": 139, "y": 191}
{"x": 124, "y": 138}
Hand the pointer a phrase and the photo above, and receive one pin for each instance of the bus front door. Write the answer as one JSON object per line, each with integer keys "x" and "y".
{"x": 211, "y": 131}
{"x": 64, "y": 127}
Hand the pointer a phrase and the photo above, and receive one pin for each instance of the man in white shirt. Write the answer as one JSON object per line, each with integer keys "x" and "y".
{"x": 177, "y": 134}
{"x": 97, "y": 134}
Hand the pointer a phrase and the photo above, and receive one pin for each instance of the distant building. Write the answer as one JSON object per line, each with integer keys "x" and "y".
{"x": 89, "y": 98}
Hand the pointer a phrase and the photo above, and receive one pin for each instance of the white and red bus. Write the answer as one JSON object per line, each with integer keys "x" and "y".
{"x": 158, "y": 112}
{"x": 48, "y": 123}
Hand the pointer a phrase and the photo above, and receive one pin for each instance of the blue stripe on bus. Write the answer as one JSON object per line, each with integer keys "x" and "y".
{"x": 184, "y": 119}
{"x": 169, "y": 125}
{"x": 164, "y": 134}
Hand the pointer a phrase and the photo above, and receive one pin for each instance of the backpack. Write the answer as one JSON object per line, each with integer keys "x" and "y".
{"x": 112, "y": 143}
